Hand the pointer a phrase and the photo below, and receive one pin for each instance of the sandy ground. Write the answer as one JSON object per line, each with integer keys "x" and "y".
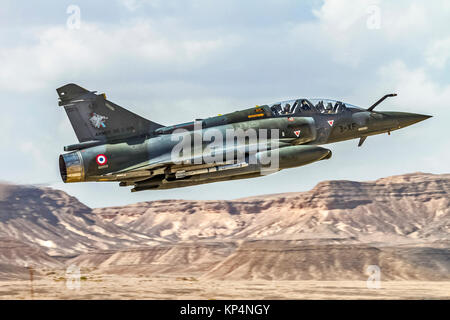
{"x": 134, "y": 287}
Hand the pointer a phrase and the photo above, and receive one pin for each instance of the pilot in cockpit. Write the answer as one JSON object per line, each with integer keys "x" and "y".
{"x": 329, "y": 107}
{"x": 276, "y": 109}
{"x": 320, "y": 107}
{"x": 305, "y": 106}
{"x": 287, "y": 108}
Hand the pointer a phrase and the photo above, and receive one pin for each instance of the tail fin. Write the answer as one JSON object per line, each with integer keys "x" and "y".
{"x": 95, "y": 118}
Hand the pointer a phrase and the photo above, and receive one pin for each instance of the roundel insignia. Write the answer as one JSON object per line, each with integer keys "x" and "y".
{"x": 101, "y": 159}
{"x": 290, "y": 119}
{"x": 330, "y": 122}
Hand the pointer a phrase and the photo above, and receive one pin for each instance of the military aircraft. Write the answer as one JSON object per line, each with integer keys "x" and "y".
{"x": 118, "y": 145}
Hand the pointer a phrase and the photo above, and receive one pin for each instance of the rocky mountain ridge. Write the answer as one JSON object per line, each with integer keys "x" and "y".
{"x": 411, "y": 207}
{"x": 401, "y": 223}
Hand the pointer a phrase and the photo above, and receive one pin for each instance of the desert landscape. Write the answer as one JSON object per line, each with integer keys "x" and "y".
{"x": 317, "y": 244}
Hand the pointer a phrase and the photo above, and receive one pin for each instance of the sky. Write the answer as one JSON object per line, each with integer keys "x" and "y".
{"x": 175, "y": 61}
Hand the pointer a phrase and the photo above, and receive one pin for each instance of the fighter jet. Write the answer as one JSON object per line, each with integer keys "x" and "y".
{"x": 118, "y": 145}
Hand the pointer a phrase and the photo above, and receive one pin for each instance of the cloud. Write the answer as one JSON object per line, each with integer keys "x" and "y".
{"x": 416, "y": 89}
{"x": 339, "y": 17}
{"x": 438, "y": 53}
{"x": 57, "y": 52}
{"x": 133, "y": 5}
{"x": 35, "y": 153}
{"x": 420, "y": 93}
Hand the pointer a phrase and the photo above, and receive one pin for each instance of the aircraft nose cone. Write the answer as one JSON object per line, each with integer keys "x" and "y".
{"x": 408, "y": 119}
{"x": 405, "y": 119}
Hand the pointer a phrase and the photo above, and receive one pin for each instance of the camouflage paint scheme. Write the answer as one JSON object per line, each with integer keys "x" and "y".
{"x": 118, "y": 145}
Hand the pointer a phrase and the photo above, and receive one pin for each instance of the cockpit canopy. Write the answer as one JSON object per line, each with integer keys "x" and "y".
{"x": 302, "y": 106}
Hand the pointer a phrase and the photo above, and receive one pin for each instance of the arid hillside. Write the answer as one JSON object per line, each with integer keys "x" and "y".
{"x": 332, "y": 232}
{"x": 410, "y": 208}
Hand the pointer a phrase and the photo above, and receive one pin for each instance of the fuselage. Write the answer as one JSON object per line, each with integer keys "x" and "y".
{"x": 294, "y": 128}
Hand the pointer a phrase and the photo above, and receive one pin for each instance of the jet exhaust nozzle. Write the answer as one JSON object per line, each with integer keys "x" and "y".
{"x": 71, "y": 167}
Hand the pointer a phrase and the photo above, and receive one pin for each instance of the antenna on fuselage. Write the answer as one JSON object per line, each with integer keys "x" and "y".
{"x": 381, "y": 100}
